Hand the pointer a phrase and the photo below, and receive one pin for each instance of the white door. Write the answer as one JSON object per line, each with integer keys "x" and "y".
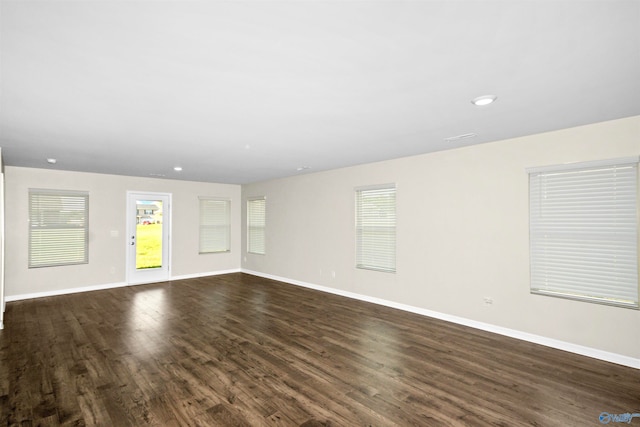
{"x": 148, "y": 234}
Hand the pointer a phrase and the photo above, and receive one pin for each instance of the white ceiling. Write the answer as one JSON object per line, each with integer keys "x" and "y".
{"x": 245, "y": 91}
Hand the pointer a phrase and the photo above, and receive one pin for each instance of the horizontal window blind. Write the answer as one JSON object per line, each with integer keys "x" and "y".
{"x": 376, "y": 228}
{"x": 215, "y": 225}
{"x": 256, "y": 224}
{"x": 58, "y": 228}
{"x": 584, "y": 232}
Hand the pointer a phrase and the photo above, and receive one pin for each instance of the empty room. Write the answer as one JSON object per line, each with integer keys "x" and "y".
{"x": 319, "y": 213}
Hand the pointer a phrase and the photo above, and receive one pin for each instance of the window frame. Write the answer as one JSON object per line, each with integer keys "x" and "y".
{"x": 577, "y": 243}
{"x": 387, "y": 241}
{"x": 42, "y": 219}
{"x": 223, "y": 223}
{"x": 259, "y": 228}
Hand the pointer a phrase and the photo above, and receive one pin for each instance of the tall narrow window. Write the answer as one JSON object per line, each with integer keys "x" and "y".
{"x": 215, "y": 225}
{"x": 584, "y": 231}
{"x": 376, "y": 228}
{"x": 256, "y": 223}
{"x": 58, "y": 227}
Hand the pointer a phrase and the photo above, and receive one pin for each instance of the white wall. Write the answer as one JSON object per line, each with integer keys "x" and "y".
{"x": 107, "y": 213}
{"x": 462, "y": 234}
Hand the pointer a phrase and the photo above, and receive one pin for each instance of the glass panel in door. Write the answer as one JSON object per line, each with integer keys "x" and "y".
{"x": 149, "y": 234}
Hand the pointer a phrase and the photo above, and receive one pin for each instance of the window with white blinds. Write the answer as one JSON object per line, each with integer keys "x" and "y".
{"x": 256, "y": 223}
{"x": 215, "y": 225}
{"x": 376, "y": 228}
{"x": 58, "y": 228}
{"x": 584, "y": 231}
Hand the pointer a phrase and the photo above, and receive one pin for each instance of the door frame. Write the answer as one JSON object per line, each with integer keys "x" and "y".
{"x": 2, "y": 247}
{"x": 133, "y": 275}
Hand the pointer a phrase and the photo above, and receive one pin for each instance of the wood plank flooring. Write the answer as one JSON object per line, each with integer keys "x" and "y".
{"x": 238, "y": 350}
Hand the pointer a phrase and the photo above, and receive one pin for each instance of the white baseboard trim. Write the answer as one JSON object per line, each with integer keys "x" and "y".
{"x": 104, "y": 286}
{"x": 209, "y": 273}
{"x": 512, "y": 333}
{"x": 67, "y": 291}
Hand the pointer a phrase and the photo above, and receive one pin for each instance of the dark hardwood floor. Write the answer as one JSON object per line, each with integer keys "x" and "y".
{"x": 238, "y": 350}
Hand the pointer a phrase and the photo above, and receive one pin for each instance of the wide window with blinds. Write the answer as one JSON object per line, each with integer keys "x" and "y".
{"x": 58, "y": 228}
{"x": 376, "y": 228}
{"x": 215, "y": 225}
{"x": 256, "y": 225}
{"x": 584, "y": 231}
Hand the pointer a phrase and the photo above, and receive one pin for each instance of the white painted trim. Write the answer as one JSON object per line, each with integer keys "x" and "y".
{"x": 512, "y": 333}
{"x": 111, "y": 286}
{"x": 2, "y": 244}
{"x": 20, "y": 297}
{"x": 187, "y": 276}
{"x": 209, "y": 273}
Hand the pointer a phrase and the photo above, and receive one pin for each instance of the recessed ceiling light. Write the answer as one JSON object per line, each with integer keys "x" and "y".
{"x": 177, "y": 169}
{"x": 52, "y": 161}
{"x": 483, "y": 100}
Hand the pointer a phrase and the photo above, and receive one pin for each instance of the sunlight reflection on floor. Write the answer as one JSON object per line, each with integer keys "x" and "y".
{"x": 147, "y": 322}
